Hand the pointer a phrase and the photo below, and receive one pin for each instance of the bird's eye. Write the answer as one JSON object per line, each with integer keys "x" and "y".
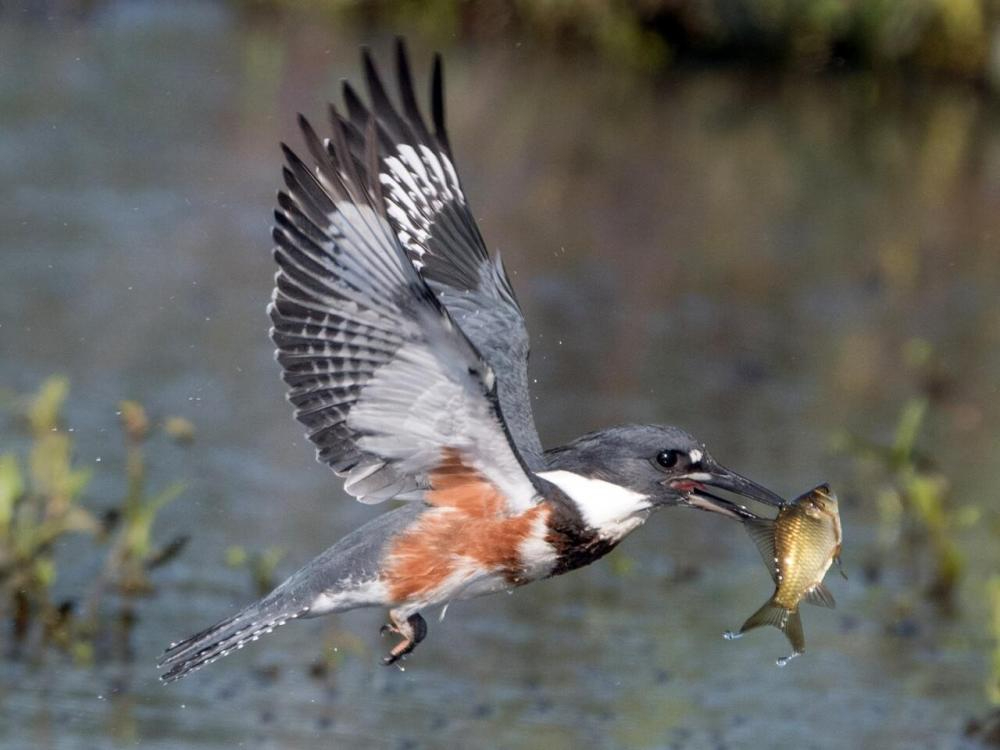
{"x": 668, "y": 459}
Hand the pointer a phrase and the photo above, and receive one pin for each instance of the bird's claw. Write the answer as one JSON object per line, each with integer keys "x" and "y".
{"x": 413, "y": 630}
{"x": 392, "y": 657}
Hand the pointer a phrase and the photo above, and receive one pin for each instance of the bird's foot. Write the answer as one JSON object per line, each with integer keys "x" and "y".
{"x": 413, "y": 630}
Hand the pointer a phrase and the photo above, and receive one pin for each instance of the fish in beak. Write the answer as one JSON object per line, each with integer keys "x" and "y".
{"x": 694, "y": 488}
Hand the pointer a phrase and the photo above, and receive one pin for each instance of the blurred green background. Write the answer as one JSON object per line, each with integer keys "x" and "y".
{"x": 776, "y": 224}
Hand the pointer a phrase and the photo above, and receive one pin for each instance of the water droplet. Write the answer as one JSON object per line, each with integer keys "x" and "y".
{"x": 785, "y": 659}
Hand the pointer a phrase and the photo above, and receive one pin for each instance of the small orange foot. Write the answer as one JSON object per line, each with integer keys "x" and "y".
{"x": 413, "y": 630}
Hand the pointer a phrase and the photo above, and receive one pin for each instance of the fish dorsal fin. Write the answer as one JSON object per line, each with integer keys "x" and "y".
{"x": 820, "y": 596}
{"x": 761, "y": 530}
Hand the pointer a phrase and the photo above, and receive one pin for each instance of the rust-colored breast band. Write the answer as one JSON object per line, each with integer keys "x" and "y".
{"x": 467, "y": 533}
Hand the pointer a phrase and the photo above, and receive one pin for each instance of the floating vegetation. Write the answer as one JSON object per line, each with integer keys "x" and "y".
{"x": 43, "y": 505}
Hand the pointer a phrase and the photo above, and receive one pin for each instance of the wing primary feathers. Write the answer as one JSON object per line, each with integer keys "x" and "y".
{"x": 379, "y": 371}
{"x": 291, "y": 218}
{"x": 371, "y": 162}
{"x": 406, "y": 91}
{"x": 316, "y": 148}
{"x": 359, "y": 116}
{"x": 376, "y": 230}
{"x": 301, "y": 181}
{"x": 437, "y": 103}
{"x": 357, "y": 112}
{"x": 381, "y": 104}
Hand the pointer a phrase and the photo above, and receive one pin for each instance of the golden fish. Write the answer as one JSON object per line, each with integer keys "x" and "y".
{"x": 798, "y": 547}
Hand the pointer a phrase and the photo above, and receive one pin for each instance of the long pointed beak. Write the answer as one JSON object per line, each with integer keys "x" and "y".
{"x": 725, "y": 479}
{"x": 699, "y": 497}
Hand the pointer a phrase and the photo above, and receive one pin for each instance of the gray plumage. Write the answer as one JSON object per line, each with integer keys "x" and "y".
{"x": 405, "y": 353}
{"x": 383, "y": 369}
{"x": 380, "y": 374}
{"x": 429, "y": 212}
{"x": 348, "y": 567}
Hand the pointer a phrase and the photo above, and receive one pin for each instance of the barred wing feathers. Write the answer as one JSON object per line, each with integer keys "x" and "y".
{"x": 428, "y": 210}
{"x": 386, "y": 384}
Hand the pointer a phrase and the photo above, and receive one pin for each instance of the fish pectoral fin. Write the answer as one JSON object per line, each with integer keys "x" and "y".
{"x": 820, "y": 596}
{"x": 761, "y": 531}
{"x": 840, "y": 567}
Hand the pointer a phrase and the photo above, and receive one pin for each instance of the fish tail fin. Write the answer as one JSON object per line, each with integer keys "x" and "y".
{"x": 770, "y": 613}
{"x": 787, "y": 621}
{"x": 793, "y": 632}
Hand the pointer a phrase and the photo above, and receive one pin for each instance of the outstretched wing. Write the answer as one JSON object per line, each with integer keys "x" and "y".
{"x": 389, "y": 388}
{"x": 428, "y": 211}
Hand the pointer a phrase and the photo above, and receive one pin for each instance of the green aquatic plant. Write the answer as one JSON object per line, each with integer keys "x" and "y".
{"x": 914, "y": 502}
{"x": 43, "y": 503}
{"x": 261, "y": 565}
{"x": 133, "y": 554}
{"x": 39, "y": 505}
{"x": 993, "y": 682}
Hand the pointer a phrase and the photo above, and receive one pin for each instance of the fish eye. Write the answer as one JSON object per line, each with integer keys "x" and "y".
{"x": 668, "y": 459}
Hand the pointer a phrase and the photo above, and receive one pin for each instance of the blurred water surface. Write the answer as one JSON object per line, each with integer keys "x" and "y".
{"x": 741, "y": 255}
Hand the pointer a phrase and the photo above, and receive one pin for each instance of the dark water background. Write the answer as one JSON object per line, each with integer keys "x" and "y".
{"x": 741, "y": 254}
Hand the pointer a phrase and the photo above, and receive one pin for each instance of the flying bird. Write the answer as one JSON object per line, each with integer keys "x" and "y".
{"x": 405, "y": 353}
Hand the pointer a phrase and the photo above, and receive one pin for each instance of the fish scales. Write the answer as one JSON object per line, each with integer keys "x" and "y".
{"x": 798, "y": 546}
{"x": 803, "y": 545}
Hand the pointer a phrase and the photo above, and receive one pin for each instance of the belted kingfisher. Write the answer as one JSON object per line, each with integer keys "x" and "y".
{"x": 405, "y": 352}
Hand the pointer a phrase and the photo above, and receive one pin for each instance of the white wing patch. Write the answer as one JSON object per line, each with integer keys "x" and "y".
{"x": 612, "y": 510}
{"x": 417, "y": 187}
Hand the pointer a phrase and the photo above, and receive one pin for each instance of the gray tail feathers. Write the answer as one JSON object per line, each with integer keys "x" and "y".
{"x": 226, "y": 636}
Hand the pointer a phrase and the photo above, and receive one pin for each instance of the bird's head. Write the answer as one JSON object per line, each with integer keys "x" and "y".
{"x": 651, "y": 466}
